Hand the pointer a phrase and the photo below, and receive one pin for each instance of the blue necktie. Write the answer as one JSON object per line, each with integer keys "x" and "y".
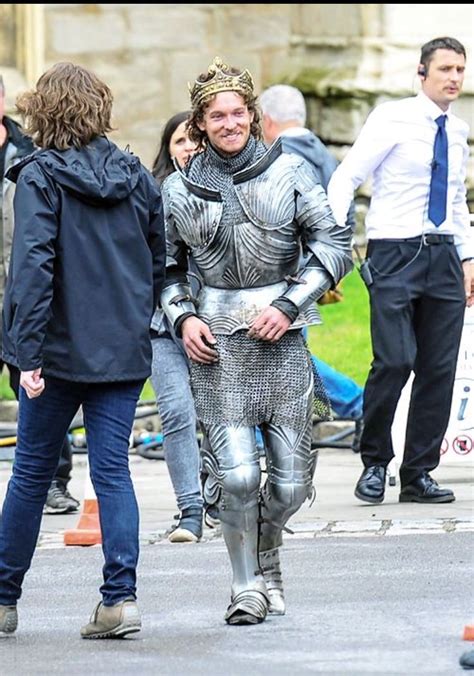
{"x": 439, "y": 175}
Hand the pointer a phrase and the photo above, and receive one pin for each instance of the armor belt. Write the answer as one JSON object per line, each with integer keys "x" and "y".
{"x": 230, "y": 310}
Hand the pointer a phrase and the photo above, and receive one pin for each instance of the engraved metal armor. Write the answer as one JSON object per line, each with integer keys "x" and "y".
{"x": 261, "y": 249}
{"x": 249, "y": 231}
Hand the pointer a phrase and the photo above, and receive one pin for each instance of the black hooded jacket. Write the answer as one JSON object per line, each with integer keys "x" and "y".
{"x": 87, "y": 264}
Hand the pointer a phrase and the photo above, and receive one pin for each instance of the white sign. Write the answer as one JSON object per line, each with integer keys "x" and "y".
{"x": 458, "y": 443}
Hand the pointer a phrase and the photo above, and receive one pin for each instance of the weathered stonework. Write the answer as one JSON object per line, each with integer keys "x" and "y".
{"x": 346, "y": 58}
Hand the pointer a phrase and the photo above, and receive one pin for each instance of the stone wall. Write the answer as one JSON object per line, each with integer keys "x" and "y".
{"x": 345, "y": 58}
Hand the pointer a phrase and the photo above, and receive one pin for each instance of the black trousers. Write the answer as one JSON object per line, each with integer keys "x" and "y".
{"x": 63, "y": 472}
{"x": 417, "y": 303}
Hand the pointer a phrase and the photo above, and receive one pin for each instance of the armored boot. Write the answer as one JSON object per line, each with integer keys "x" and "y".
{"x": 249, "y": 597}
{"x": 8, "y": 620}
{"x": 270, "y": 541}
{"x": 232, "y": 484}
{"x": 288, "y": 485}
{"x": 247, "y": 607}
{"x": 270, "y": 566}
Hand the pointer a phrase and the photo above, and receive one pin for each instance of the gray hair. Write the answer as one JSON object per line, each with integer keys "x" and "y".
{"x": 283, "y": 103}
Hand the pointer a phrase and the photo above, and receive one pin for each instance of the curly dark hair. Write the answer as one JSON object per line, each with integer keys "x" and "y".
{"x": 69, "y": 107}
{"x": 197, "y": 114}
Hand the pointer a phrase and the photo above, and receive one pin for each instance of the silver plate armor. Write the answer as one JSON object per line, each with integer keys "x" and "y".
{"x": 262, "y": 249}
{"x": 228, "y": 310}
{"x": 247, "y": 235}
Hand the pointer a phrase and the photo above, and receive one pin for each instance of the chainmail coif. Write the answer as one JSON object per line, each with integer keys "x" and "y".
{"x": 215, "y": 171}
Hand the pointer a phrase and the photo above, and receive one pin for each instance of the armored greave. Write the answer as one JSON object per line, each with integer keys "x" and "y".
{"x": 234, "y": 469}
{"x": 290, "y": 469}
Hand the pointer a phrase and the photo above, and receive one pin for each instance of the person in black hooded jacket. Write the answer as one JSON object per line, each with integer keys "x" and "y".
{"x": 86, "y": 270}
{"x": 14, "y": 146}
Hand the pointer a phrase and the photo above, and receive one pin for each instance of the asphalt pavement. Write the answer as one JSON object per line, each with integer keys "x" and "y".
{"x": 371, "y": 589}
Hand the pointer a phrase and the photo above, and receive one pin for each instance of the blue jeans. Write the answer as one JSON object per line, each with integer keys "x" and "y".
{"x": 345, "y": 395}
{"x": 170, "y": 380}
{"x": 43, "y": 422}
{"x": 63, "y": 473}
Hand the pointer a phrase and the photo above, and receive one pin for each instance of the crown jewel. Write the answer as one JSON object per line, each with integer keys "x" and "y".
{"x": 220, "y": 80}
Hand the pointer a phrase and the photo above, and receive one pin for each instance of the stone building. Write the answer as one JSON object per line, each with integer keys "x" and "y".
{"x": 345, "y": 58}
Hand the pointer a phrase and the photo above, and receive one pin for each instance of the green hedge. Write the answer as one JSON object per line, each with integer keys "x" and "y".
{"x": 343, "y": 340}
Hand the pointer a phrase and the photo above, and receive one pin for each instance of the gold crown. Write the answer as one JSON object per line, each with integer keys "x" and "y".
{"x": 221, "y": 81}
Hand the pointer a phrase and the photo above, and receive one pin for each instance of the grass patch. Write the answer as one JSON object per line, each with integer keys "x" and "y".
{"x": 5, "y": 391}
{"x": 148, "y": 394}
{"x": 343, "y": 340}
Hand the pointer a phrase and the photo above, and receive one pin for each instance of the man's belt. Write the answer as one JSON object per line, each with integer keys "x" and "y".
{"x": 431, "y": 238}
{"x": 427, "y": 238}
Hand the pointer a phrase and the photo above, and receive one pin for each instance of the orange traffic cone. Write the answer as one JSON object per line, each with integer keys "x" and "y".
{"x": 468, "y": 634}
{"x": 87, "y": 531}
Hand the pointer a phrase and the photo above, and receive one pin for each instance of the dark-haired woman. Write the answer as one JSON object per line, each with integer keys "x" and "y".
{"x": 170, "y": 371}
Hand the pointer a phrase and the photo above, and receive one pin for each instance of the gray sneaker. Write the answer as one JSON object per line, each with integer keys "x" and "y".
{"x": 113, "y": 621}
{"x": 211, "y": 516}
{"x": 8, "y": 619}
{"x": 59, "y": 500}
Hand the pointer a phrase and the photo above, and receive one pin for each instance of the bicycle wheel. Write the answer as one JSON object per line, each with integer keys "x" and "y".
{"x": 151, "y": 450}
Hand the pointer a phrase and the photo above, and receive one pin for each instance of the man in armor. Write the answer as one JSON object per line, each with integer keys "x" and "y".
{"x": 245, "y": 214}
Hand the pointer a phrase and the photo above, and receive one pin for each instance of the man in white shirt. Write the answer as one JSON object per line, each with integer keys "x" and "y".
{"x": 420, "y": 259}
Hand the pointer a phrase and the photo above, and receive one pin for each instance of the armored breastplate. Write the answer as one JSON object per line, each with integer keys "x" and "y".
{"x": 245, "y": 236}
{"x": 245, "y": 231}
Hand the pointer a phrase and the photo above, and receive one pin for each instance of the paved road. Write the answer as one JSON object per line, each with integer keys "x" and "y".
{"x": 356, "y": 605}
{"x": 384, "y": 589}
{"x": 334, "y": 512}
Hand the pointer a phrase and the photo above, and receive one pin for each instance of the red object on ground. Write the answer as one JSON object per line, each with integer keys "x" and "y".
{"x": 87, "y": 531}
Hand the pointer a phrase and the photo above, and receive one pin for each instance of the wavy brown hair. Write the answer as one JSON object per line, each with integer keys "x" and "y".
{"x": 69, "y": 107}
{"x": 197, "y": 115}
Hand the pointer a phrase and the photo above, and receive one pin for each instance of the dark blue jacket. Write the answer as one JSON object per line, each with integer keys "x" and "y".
{"x": 87, "y": 264}
{"x": 309, "y": 146}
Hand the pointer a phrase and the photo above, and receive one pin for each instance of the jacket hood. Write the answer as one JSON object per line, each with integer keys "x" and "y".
{"x": 100, "y": 173}
{"x": 307, "y": 145}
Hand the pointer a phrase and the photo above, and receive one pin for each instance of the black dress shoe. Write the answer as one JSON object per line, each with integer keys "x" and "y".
{"x": 371, "y": 485}
{"x": 425, "y": 489}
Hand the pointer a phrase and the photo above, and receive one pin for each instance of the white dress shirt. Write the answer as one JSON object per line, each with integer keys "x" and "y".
{"x": 395, "y": 146}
